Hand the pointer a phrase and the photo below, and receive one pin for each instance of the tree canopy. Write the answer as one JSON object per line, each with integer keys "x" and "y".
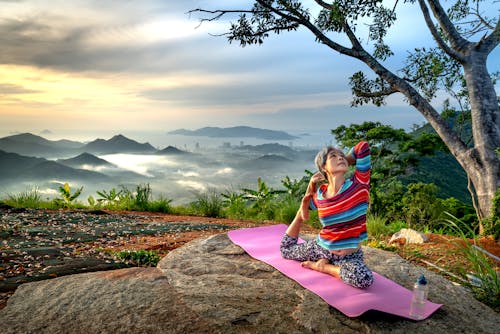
{"x": 464, "y": 36}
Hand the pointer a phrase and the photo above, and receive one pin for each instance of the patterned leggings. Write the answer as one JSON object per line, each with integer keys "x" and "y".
{"x": 353, "y": 270}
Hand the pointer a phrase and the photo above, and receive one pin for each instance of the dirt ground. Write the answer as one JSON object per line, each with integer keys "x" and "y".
{"x": 441, "y": 253}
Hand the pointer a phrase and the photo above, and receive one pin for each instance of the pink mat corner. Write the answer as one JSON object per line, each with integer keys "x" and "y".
{"x": 384, "y": 295}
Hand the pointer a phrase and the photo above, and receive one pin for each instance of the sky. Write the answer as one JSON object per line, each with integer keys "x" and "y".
{"x": 70, "y": 69}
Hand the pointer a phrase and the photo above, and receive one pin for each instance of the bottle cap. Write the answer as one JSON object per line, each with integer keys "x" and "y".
{"x": 421, "y": 280}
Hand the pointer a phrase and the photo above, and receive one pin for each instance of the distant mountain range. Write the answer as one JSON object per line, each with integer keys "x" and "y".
{"x": 18, "y": 167}
{"x": 29, "y": 144}
{"x": 237, "y": 131}
{"x": 24, "y": 157}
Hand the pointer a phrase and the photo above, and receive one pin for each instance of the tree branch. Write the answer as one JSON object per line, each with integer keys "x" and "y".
{"x": 439, "y": 40}
{"x": 218, "y": 13}
{"x": 490, "y": 42}
{"x": 381, "y": 93}
{"x": 317, "y": 32}
{"x": 456, "y": 40}
{"x": 323, "y": 4}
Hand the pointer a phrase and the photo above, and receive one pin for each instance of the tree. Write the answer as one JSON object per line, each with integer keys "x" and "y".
{"x": 455, "y": 63}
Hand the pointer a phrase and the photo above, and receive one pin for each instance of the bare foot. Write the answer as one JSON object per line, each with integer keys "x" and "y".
{"x": 318, "y": 265}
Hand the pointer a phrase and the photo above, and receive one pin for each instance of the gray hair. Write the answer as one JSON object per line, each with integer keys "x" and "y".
{"x": 322, "y": 155}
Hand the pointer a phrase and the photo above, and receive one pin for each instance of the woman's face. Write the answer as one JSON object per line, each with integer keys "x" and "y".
{"x": 336, "y": 163}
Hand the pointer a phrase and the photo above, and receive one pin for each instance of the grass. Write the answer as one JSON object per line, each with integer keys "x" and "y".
{"x": 486, "y": 285}
{"x": 30, "y": 198}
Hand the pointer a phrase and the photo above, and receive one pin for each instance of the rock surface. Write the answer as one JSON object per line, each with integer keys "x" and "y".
{"x": 212, "y": 286}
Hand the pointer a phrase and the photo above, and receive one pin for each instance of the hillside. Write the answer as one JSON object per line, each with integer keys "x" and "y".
{"x": 237, "y": 131}
{"x": 29, "y": 144}
{"x": 117, "y": 144}
{"x": 442, "y": 169}
{"x": 170, "y": 150}
{"x": 84, "y": 159}
{"x": 15, "y": 167}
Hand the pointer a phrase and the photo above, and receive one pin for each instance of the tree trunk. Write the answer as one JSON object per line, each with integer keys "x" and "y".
{"x": 485, "y": 172}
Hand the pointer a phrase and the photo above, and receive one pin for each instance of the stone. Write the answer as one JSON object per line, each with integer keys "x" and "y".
{"x": 211, "y": 285}
{"x": 408, "y": 236}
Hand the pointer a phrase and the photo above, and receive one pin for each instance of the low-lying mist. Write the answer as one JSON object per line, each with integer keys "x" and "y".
{"x": 179, "y": 177}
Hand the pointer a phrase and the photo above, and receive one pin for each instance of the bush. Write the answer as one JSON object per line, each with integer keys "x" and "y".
{"x": 162, "y": 204}
{"x": 377, "y": 226}
{"x": 235, "y": 204}
{"x": 287, "y": 209}
{"x": 208, "y": 204}
{"x": 138, "y": 257}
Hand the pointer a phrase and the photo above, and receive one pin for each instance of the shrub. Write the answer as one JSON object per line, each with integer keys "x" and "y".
{"x": 208, "y": 204}
{"x": 142, "y": 197}
{"x": 162, "y": 204}
{"x": 235, "y": 204}
{"x": 138, "y": 257}
{"x": 377, "y": 226}
{"x": 287, "y": 209}
{"x": 67, "y": 198}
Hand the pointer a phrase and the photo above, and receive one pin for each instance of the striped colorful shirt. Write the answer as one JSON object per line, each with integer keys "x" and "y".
{"x": 344, "y": 215}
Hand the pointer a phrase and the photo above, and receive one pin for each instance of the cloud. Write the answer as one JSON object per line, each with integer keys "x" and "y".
{"x": 9, "y": 89}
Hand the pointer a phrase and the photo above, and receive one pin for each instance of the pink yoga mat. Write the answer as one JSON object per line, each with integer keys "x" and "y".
{"x": 384, "y": 295}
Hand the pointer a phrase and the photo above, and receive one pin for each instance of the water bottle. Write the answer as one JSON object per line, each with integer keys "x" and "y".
{"x": 420, "y": 290}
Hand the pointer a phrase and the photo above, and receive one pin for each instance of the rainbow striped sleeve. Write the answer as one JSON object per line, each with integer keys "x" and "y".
{"x": 361, "y": 152}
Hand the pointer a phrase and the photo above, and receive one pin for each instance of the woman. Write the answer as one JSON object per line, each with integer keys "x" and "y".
{"x": 342, "y": 205}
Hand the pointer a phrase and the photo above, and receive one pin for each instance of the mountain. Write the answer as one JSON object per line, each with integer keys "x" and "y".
{"x": 117, "y": 144}
{"x": 171, "y": 150}
{"x": 85, "y": 159}
{"x": 445, "y": 172}
{"x": 237, "y": 131}
{"x": 442, "y": 168}
{"x": 14, "y": 166}
{"x": 273, "y": 148}
{"x": 29, "y": 144}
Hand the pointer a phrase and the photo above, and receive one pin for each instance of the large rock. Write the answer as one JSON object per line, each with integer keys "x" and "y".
{"x": 212, "y": 286}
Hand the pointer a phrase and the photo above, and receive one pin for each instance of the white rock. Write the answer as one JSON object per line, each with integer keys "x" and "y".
{"x": 410, "y": 236}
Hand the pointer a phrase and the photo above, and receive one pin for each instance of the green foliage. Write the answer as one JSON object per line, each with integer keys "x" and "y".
{"x": 208, "y": 204}
{"x": 487, "y": 285}
{"x": 377, "y": 226}
{"x": 492, "y": 223}
{"x": 419, "y": 203}
{"x": 67, "y": 198}
{"x": 162, "y": 204}
{"x": 92, "y": 202}
{"x": 142, "y": 197}
{"x": 261, "y": 197}
{"x": 30, "y": 198}
{"x": 235, "y": 204}
{"x": 286, "y": 209}
{"x": 109, "y": 198}
{"x": 139, "y": 257}
{"x": 297, "y": 188}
